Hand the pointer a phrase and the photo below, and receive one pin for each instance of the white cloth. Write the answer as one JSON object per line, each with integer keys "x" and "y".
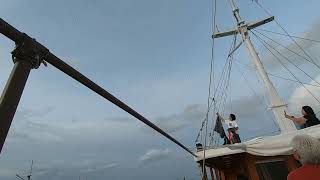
{"x": 231, "y": 124}
{"x": 262, "y": 146}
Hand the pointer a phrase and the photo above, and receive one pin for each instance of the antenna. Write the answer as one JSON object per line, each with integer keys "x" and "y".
{"x": 29, "y": 176}
{"x": 18, "y": 176}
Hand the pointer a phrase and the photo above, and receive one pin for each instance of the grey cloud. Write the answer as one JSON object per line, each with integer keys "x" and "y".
{"x": 311, "y": 48}
{"x": 96, "y": 168}
{"x": 301, "y": 97}
{"x": 120, "y": 119}
{"x": 154, "y": 155}
{"x": 248, "y": 107}
{"x": 58, "y": 169}
{"x": 27, "y": 114}
{"x": 191, "y": 115}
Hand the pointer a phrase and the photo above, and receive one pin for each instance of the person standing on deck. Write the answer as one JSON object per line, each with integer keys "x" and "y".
{"x": 307, "y": 120}
{"x": 306, "y": 149}
{"x": 232, "y": 128}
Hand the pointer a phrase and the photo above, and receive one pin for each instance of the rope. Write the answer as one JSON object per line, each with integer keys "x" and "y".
{"x": 258, "y": 97}
{"x": 216, "y": 91}
{"x": 287, "y": 48}
{"x": 286, "y": 32}
{"x": 286, "y": 58}
{"x": 277, "y": 76}
{"x": 264, "y": 44}
{"x": 224, "y": 82}
{"x": 307, "y": 39}
{"x": 221, "y": 90}
{"x": 287, "y": 79}
{"x": 214, "y": 14}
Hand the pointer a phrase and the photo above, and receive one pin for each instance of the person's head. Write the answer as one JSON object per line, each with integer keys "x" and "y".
{"x": 232, "y": 117}
{"x": 306, "y": 149}
{"x": 307, "y": 110}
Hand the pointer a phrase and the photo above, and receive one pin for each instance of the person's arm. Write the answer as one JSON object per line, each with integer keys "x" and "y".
{"x": 222, "y": 119}
{"x": 299, "y": 120}
{"x": 236, "y": 126}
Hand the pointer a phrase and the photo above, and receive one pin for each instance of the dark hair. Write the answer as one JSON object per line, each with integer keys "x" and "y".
{"x": 233, "y": 117}
{"x": 308, "y": 110}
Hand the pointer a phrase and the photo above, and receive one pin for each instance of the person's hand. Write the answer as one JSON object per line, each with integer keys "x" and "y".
{"x": 285, "y": 114}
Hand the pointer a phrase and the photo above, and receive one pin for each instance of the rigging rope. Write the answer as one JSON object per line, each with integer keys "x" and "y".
{"x": 286, "y": 48}
{"x": 258, "y": 97}
{"x": 211, "y": 78}
{"x": 264, "y": 43}
{"x": 277, "y": 76}
{"x": 286, "y": 58}
{"x": 221, "y": 90}
{"x": 297, "y": 37}
{"x": 216, "y": 93}
{"x": 292, "y": 80}
{"x": 286, "y": 32}
{"x": 224, "y": 80}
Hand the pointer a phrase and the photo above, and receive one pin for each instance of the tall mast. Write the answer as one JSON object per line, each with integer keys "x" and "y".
{"x": 277, "y": 105}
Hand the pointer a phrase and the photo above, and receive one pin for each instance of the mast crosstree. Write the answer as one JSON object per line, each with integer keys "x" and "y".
{"x": 277, "y": 105}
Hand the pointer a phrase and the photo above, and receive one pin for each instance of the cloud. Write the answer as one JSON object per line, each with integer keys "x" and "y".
{"x": 194, "y": 114}
{"x": 95, "y": 168}
{"x": 62, "y": 168}
{"x": 301, "y": 97}
{"x": 311, "y": 48}
{"x": 154, "y": 155}
{"x": 191, "y": 115}
{"x": 27, "y": 114}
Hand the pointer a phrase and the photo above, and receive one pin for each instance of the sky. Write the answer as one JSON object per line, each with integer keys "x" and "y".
{"x": 153, "y": 55}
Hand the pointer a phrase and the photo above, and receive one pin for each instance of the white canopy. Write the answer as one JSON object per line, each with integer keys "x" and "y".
{"x": 261, "y": 146}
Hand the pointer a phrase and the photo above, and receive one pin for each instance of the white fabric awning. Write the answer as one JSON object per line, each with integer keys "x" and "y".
{"x": 262, "y": 146}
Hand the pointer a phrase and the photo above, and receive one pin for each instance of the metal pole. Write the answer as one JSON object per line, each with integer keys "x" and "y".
{"x": 277, "y": 104}
{"x": 37, "y": 51}
{"x": 11, "y": 96}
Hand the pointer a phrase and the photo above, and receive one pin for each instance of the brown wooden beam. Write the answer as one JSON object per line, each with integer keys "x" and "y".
{"x": 212, "y": 174}
{"x": 251, "y": 167}
{"x": 217, "y": 172}
{"x": 222, "y": 175}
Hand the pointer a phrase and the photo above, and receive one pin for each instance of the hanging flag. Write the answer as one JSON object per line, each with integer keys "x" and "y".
{"x": 219, "y": 128}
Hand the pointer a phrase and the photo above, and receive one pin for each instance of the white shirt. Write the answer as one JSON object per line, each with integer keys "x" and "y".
{"x": 231, "y": 124}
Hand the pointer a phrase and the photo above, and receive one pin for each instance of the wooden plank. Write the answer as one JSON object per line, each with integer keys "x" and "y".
{"x": 231, "y": 177}
{"x": 217, "y": 172}
{"x": 222, "y": 176}
{"x": 212, "y": 174}
{"x": 251, "y": 167}
{"x": 204, "y": 175}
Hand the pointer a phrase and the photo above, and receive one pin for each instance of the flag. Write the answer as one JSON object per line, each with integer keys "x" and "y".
{"x": 219, "y": 128}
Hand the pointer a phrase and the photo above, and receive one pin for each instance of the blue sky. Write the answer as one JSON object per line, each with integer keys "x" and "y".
{"x": 153, "y": 55}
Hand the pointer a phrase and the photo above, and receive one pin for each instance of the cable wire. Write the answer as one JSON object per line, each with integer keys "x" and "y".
{"x": 265, "y": 45}
{"x": 286, "y": 32}
{"x": 287, "y": 48}
{"x": 287, "y": 59}
{"x": 297, "y": 37}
